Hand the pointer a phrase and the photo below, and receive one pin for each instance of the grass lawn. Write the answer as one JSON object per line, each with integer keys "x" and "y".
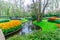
{"x": 24, "y": 20}
{"x": 45, "y": 25}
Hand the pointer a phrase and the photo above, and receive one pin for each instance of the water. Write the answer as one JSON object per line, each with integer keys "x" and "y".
{"x": 27, "y": 27}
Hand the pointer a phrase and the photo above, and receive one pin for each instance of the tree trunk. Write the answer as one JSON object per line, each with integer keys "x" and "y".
{"x": 39, "y": 11}
{"x": 44, "y": 9}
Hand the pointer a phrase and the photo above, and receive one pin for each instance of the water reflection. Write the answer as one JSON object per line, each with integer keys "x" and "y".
{"x": 27, "y": 28}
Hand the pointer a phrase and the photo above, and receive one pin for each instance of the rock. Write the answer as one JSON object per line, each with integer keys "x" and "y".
{"x": 1, "y": 35}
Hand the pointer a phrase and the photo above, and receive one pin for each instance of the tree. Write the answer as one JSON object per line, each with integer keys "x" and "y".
{"x": 40, "y": 14}
{"x": 39, "y": 11}
{"x": 34, "y": 7}
{"x": 44, "y": 9}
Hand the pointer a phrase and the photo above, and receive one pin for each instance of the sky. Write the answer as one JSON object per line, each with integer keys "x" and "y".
{"x": 26, "y": 1}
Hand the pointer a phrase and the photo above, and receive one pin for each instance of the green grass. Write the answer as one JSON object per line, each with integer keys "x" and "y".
{"x": 45, "y": 25}
{"x": 7, "y": 31}
{"x": 24, "y": 20}
{"x": 38, "y": 35}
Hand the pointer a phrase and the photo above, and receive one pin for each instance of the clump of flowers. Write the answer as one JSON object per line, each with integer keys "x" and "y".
{"x": 52, "y": 18}
{"x": 10, "y": 24}
{"x": 58, "y": 25}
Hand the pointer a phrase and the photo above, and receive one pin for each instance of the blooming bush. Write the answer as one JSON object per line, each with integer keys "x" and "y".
{"x": 4, "y": 20}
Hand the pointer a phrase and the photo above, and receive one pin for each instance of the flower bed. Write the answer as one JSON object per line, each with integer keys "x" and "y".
{"x": 10, "y": 26}
{"x": 52, "y": 19}
{"x": 55, "y": 20}
{"x": 58, "y": 25}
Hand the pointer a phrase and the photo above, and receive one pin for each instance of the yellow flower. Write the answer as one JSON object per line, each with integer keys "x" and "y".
{"x": 11, "y": 24}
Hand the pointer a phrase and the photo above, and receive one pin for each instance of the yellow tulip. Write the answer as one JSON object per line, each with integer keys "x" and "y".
{"x": 11, "y": 24}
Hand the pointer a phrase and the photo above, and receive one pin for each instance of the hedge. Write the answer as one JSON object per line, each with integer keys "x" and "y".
{"x": 4, "y": 20}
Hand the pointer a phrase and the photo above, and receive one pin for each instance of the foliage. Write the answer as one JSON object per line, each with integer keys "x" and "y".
{"x": 50, "y": 14}
{"x": 7, "y": 31}
{"x": 23, "y": 20}
{"x": 57, "y": 21}
{"x": 38, "y": 35}
{"x": 34, "y": 18}
{"x": 4, "y": 20}
{"x": 57, "y": 13}
{"x": 11, "y": 9}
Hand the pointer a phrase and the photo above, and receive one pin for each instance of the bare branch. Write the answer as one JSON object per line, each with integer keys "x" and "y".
{"x": 45, "y": 6}
{"x": 34, "y": 7}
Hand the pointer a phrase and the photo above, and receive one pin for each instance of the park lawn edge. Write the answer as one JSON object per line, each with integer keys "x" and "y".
{"x": 44, "y": 25}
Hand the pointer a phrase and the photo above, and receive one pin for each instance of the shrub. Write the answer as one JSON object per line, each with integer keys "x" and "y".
{"x": 4, "y": 20}
{"x": 38, "y": 35}
{"x": 57, "y": 21}
{"x": 34, "y": 18}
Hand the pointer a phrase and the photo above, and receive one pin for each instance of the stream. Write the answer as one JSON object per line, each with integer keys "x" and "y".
{"x": 27, "y": 27}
